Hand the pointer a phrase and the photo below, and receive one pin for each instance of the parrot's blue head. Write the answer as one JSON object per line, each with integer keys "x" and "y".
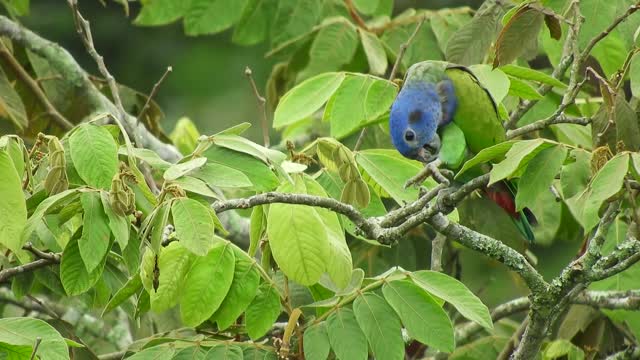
{"x": 414, "y": 119}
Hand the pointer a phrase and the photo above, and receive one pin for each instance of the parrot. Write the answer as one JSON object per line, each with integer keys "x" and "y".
{"x": 443, "y": 111}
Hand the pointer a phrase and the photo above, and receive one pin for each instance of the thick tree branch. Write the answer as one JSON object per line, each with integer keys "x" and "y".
{"x": 541, "y": 124}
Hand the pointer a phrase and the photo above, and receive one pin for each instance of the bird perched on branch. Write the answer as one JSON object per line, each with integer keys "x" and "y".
{"x": 443, "y": 111}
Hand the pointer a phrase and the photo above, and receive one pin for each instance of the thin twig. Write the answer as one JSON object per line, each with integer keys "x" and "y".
{"x": 35, "y": 347}
{"x": 33, "y": 86}
{"x": 261, "y": 106}
{"x": 394, "y": 69}
{"x": 153, "y": 93}
{"x": 353, "y": 12}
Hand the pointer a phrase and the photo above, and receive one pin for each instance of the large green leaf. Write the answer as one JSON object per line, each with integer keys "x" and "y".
{"x": 95, "y": 155}
{"x": 333, "y": 46}
{"x": 253, "y": 26}
{"x": 316, "y": 342}
{"x": 470, "y": 43}
{"x": 485, "y": 155}
{"x": 493, "y": 79}
{"x": 294, "y": 18}
{"x": 226, "y": 351}
{"x": 298, "y": 239}
{"x": 159, "y": 352}
{"x": 211, "y": 16}
{"x": 575, "y": 175}
{"x": 380, "y": 325}
{"x": 517, "y": 158}
{"x": 24, "y": 331}
{"x": 389, "y": 172}
{"x": 13, "y": 209}
{"x": 606, "y": 183}
{"x": 345, "y": 336}
{"x": 161, "y": 12}
{"x": 423, "y": 47}
{"x": 539, "y": 175}
{"x": 178, "y": 170}
{"x": 374, "y": 50}
{"x": 263, "y": 311}
{"x": 455, "y": 293}
{"x": 423, "y": 317}
{"x": 519, "y": 34}
{"x": 358, "y": 100}
{"x": 73, "y": 272}
{"x": 95, "y": 241}
{"x": 194, "y": 225}
{"x": 218, "y": 175}
{"x": 525, "y": 73}
{"x": 306, "y": 98}
{"x": 174, "y": 263}
{"x": 191, "y": 353}
{"x": 207, "y": 284}
{"x": 262, "y": 177}
{"x": 132, "y": 286}
{"x": 523, "y": 89}
{"x": 244, "y": 287}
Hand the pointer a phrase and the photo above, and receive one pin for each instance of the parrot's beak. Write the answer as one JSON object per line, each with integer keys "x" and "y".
{"x": 430, "y": 150}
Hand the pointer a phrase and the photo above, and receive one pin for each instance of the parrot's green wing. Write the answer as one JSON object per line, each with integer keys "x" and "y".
{"x": 477, "y": 113}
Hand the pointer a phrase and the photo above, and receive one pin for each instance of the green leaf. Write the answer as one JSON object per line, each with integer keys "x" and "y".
{"x": 207, "y": 284}
{"x": 606, "y": 183}
{"x": 24, "y": 331}
{"x": 517, "y": 157}
{"x": 493, "y": 79}
{"x": 174, "y": 263}
{"x": 13, "y": 209}
{"x": 244, "y": 287}
{"x": 161, "y": 12}
{"x": 94, "y": 243}
{"x": 131, "y": 287}
{"x": 634, "y": 75}
{"x": 455, "y": 293}
{"x": 380, "y": 325}
{"x": 523, "y": 89}
{"x": 519, "y": 34}
{"x": 185, "y": 135}
{"x": 525, "y": 73}
{"x": 95, "y": 155}
{"x": 470, "y": 43}
{"x": 423, "y": 47}
{"x": 374, "y": 50}
{"x": 488, "y": 347}
{"x": 339, "y": 266}
{"x": 159, "y": 352}
{"x": 258, "y": 172}
{"x": 211, "y": 16}
{"x": 333, "y": 46}
{"x": 423, "y": 317}
{"x": 539, "y": 175}
{"x": 347, "y": 340}
{"x": 118, "y": 224}
{"x": 196, "y": 186}
{"x": 598, "y": 16}
{"x": 226, "y": 351}
{"x": 11, "y": 105}
{"x": 294, "y": 18}
{"x": 562, "y": 349}
{"x": 73, "y": 272}
{"x": 298, "y": 239}
{"x": 257, "y": 353}
{"x": 358, "y": 100}
{"x": 149, "y": 156}
{"x": 389, "y": 171}
{"x": 316, "y": 342}
{"x": 194, "y": 225}
{"x": 486, "y": 155}
{"x": 306, "y": 98}
{"x": 43, "y": 208}
{"x": 254, "y": 24}
{"x": 191, "y": 353}
{"x": 178, "y": 170}
{"x": 367, "y": 7}
{"x": 258, "y": 229}
{"x": 575, "y": 175}
{"x": 263, "y": 311}
{"x": 243, "y": 145}
{"x": 218, "y": 175}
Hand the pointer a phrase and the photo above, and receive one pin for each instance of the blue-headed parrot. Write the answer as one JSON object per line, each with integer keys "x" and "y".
{"x": 443, "y": 111}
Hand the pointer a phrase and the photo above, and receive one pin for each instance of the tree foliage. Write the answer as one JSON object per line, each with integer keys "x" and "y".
{"x": 214, "y": 246}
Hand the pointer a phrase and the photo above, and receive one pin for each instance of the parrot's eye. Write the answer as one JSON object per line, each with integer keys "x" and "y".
{"x": 409, "y": 135}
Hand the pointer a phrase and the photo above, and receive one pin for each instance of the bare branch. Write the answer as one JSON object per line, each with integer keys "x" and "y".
{"x": 33, "y": 86}
{"x": 627, "y": 354}
{"x": 7, "y": 274}
{"x": 261, "y": 106}
{"x": 153, "y": 93}
{"x": 541, "y": 124}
